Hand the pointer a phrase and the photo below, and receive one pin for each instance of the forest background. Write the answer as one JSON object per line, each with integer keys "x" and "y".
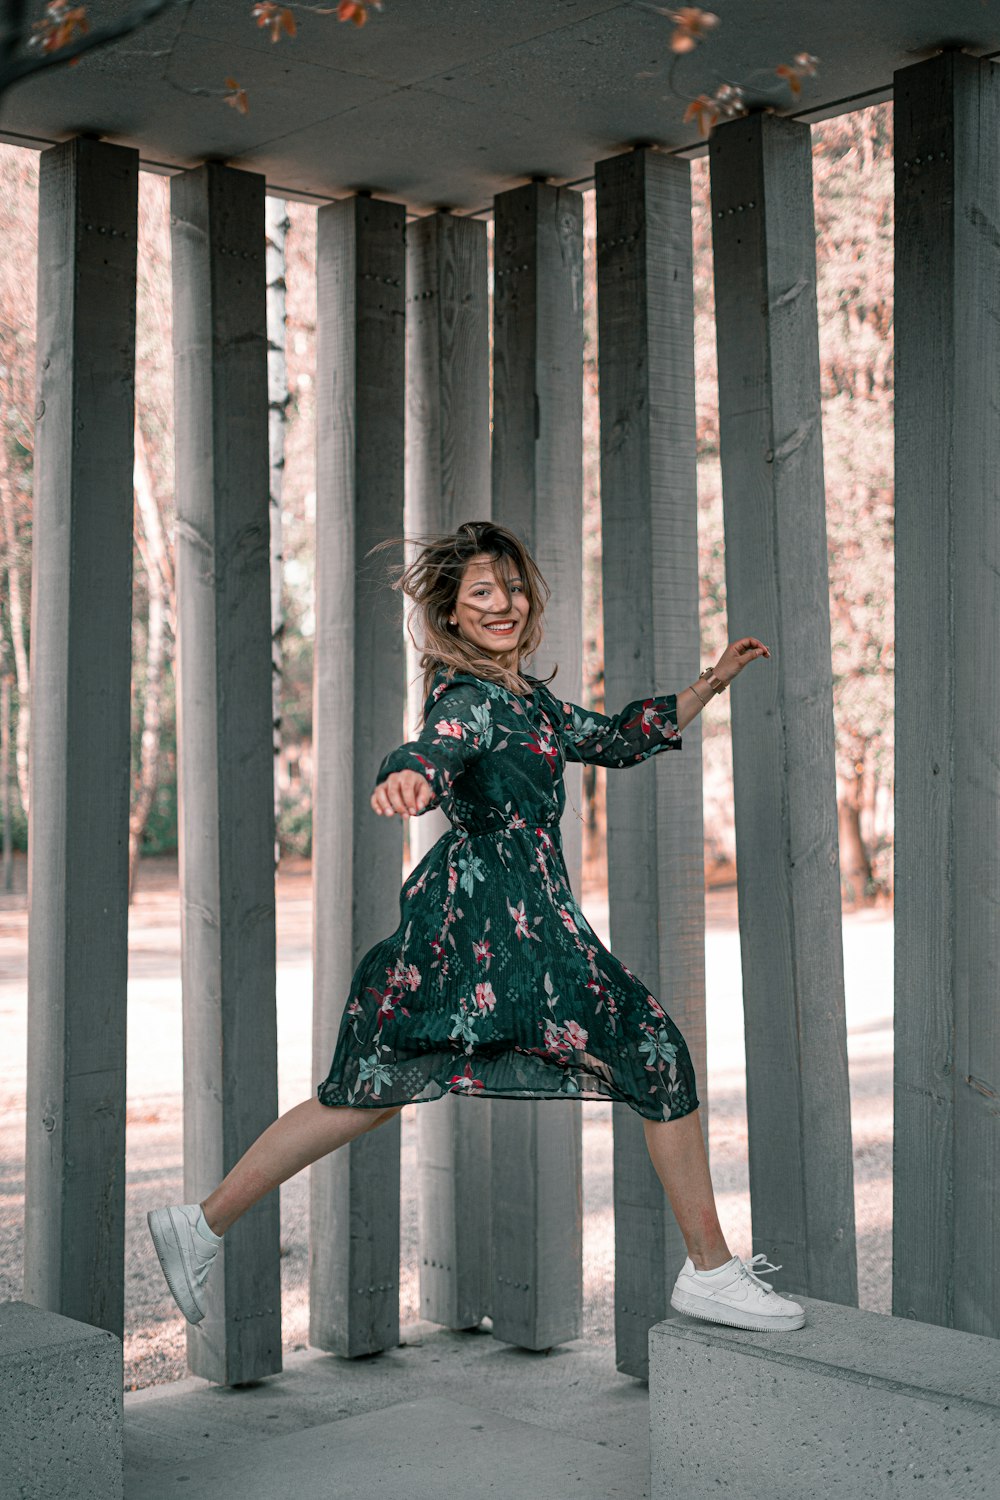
{"x": 854, "y": 228}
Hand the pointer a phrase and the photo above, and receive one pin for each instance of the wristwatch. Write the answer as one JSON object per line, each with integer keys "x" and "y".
{"x": 715, "y": 683}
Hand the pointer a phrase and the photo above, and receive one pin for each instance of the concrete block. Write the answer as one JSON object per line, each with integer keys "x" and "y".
{"x": 855, "y": 1404}
{"x": 61, "y": 1407}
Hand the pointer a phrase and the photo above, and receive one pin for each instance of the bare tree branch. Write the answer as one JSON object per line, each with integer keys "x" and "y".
{"x": 12, "y": 72}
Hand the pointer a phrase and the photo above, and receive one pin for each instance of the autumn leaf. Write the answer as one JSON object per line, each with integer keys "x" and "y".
{"x": 353, "y": 10}
{"x": 59, "y": 26}
{"x": 705, "y": 110}
{"x": 237, "y": 97}
{"x": 793, "y": 73}
{"x": 730, "y": 100}
{"x": 691, "y": 26}
{"x": 278, "y": 18}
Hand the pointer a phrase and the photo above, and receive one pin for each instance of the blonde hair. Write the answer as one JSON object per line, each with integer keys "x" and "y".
{"x": 432, "y": 581}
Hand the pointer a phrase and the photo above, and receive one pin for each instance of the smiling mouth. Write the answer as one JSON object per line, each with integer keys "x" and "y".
{"x": 506, "y": 629}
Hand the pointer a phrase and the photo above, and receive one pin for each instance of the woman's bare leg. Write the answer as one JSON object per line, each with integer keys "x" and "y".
{"x": 677, "y": 1151}
{"x": 295, "y": 1140}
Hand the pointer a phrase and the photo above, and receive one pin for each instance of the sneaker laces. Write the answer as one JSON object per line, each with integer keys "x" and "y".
{"x": 746, "y": 1268}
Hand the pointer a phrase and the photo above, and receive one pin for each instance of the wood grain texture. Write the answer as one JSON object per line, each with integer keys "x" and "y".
{"x": 358, "y": 709}
{"x": 536, "y": 1182}
{"x": 447, "y": 482}
{"x": 946, "y": 1147}
{"x": 649, "y": 514}
{"x": 777, "y": 582}
{"x": 81, "y": 615}
{"x": 225, "y": 756}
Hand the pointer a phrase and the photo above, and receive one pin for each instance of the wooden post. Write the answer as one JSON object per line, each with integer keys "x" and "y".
{"x": 537, "y": 1185}
{"x": 777, "y": 583}
{"x": 448, "y": 482}
{"x": 225, "y": 756}
{"x": 81, "y": 616}
{"x": 946, "y": 1151}
{"x": 357, "y": 719}
{"x": 651, "y": 643}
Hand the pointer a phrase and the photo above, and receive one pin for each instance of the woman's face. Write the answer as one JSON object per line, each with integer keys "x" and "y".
{"x": 485, "y": 614}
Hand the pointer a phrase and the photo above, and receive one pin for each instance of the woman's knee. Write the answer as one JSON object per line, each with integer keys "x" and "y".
{"x": 382, "y": 1115}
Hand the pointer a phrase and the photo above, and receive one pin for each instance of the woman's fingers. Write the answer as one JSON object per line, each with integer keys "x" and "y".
{"x": 400, "y": 792}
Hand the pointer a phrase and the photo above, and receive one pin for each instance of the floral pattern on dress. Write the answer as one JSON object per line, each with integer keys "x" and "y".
{"x": 494, "y": 983}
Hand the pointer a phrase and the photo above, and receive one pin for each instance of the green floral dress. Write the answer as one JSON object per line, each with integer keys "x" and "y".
{"x": 494, "y": 983}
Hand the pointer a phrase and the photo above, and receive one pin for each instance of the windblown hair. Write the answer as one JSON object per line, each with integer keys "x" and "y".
{"x": 432, "y": 581}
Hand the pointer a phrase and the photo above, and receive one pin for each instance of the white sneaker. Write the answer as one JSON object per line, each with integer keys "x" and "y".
{"x": 736, "y": 1296}
{"x": 184, "y": 1254}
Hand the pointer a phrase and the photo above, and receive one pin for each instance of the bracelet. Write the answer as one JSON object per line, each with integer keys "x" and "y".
{"x": 715, "y": 682}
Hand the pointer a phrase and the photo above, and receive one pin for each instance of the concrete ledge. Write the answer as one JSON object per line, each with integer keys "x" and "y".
{"x": 61, "y": 1407}
{"x": 855, "y": 1404}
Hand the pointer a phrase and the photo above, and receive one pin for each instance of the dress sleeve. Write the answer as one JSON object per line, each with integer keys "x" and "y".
{"x": 643, "y": 728}
{"x": 458, "y": 728}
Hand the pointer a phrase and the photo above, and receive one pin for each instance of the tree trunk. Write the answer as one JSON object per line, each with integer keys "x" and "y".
{"x": 855, "y": 866}
{"x": 156, "y": 583}
{"x": 277, "y": 225}
{"x": 15, "y": 606}
{"x": 5, "y": 798}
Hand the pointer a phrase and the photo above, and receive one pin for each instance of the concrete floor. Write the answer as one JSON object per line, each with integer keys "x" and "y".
{"x": 444, "y": 1414}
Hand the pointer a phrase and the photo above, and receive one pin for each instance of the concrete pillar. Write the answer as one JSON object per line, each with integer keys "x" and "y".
{"x": 225, "y": 756}
{"x": 649, "y": 511}
{"x": 357, "y": 718}
{"x": 946, "y": 1152}
{"x": 81, "y": 616}
{"x": 777, "y": 584}
{"x": 448, "y": 482}
{"x": 537, "y": 1147}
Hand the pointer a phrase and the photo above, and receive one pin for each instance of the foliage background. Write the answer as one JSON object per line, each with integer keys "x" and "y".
{"x": 853, "y": 200}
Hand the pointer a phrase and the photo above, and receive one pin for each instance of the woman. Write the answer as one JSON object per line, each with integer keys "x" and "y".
{"x": 494, "y": 983}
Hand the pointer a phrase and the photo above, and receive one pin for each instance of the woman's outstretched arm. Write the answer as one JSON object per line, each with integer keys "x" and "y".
{"x": 643, "y": 728}
{"x": 458, "y": 730}
{"x": 646, "y": 725}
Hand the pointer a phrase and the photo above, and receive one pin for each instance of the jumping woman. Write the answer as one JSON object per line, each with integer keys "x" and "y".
{"x": 494, "y": 983}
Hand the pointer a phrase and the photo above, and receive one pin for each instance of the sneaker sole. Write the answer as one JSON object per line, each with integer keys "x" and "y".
{"x": 168, "y": 1253}
{"x": 713, "y": 1312}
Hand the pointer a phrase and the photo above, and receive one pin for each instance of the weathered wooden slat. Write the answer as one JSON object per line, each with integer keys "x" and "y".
{"x": 537, "y": 1148}
{"x": 777, "y": 582}
{"x": 81, "y": 615}
{"x": 225, "y": 757}
{"x": 448, "y": 482}
{"x": 651, "y": 643}
{"x": 358, "y": 713}
{"x": 946, "y": 1144}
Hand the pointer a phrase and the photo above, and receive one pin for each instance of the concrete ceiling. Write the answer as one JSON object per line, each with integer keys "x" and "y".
{"x": 442, "y": 103}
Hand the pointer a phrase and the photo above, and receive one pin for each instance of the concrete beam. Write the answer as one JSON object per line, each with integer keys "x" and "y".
{"x": 447, "y": 482}
{"x": 81, "y": 618}
{"x": 946, "y": 1151}
{"x": 225, "y": 753}
{"x": 777, "y": 587}
{"x": 537, "y": 1189}
{"x": 649, "y": 515}
{"x": 358, "y": 715}
{"x": 855, "y": 1403}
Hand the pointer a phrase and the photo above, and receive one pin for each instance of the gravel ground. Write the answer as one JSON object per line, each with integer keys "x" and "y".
{"x": 155, "y": 1342}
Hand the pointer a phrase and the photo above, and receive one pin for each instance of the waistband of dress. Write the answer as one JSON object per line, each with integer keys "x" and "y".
{"x": 524, "y": 825}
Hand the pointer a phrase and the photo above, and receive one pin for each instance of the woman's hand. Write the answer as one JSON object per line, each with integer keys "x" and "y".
{"x": 405, "y": 792}
{"x": 736, "y": 656}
